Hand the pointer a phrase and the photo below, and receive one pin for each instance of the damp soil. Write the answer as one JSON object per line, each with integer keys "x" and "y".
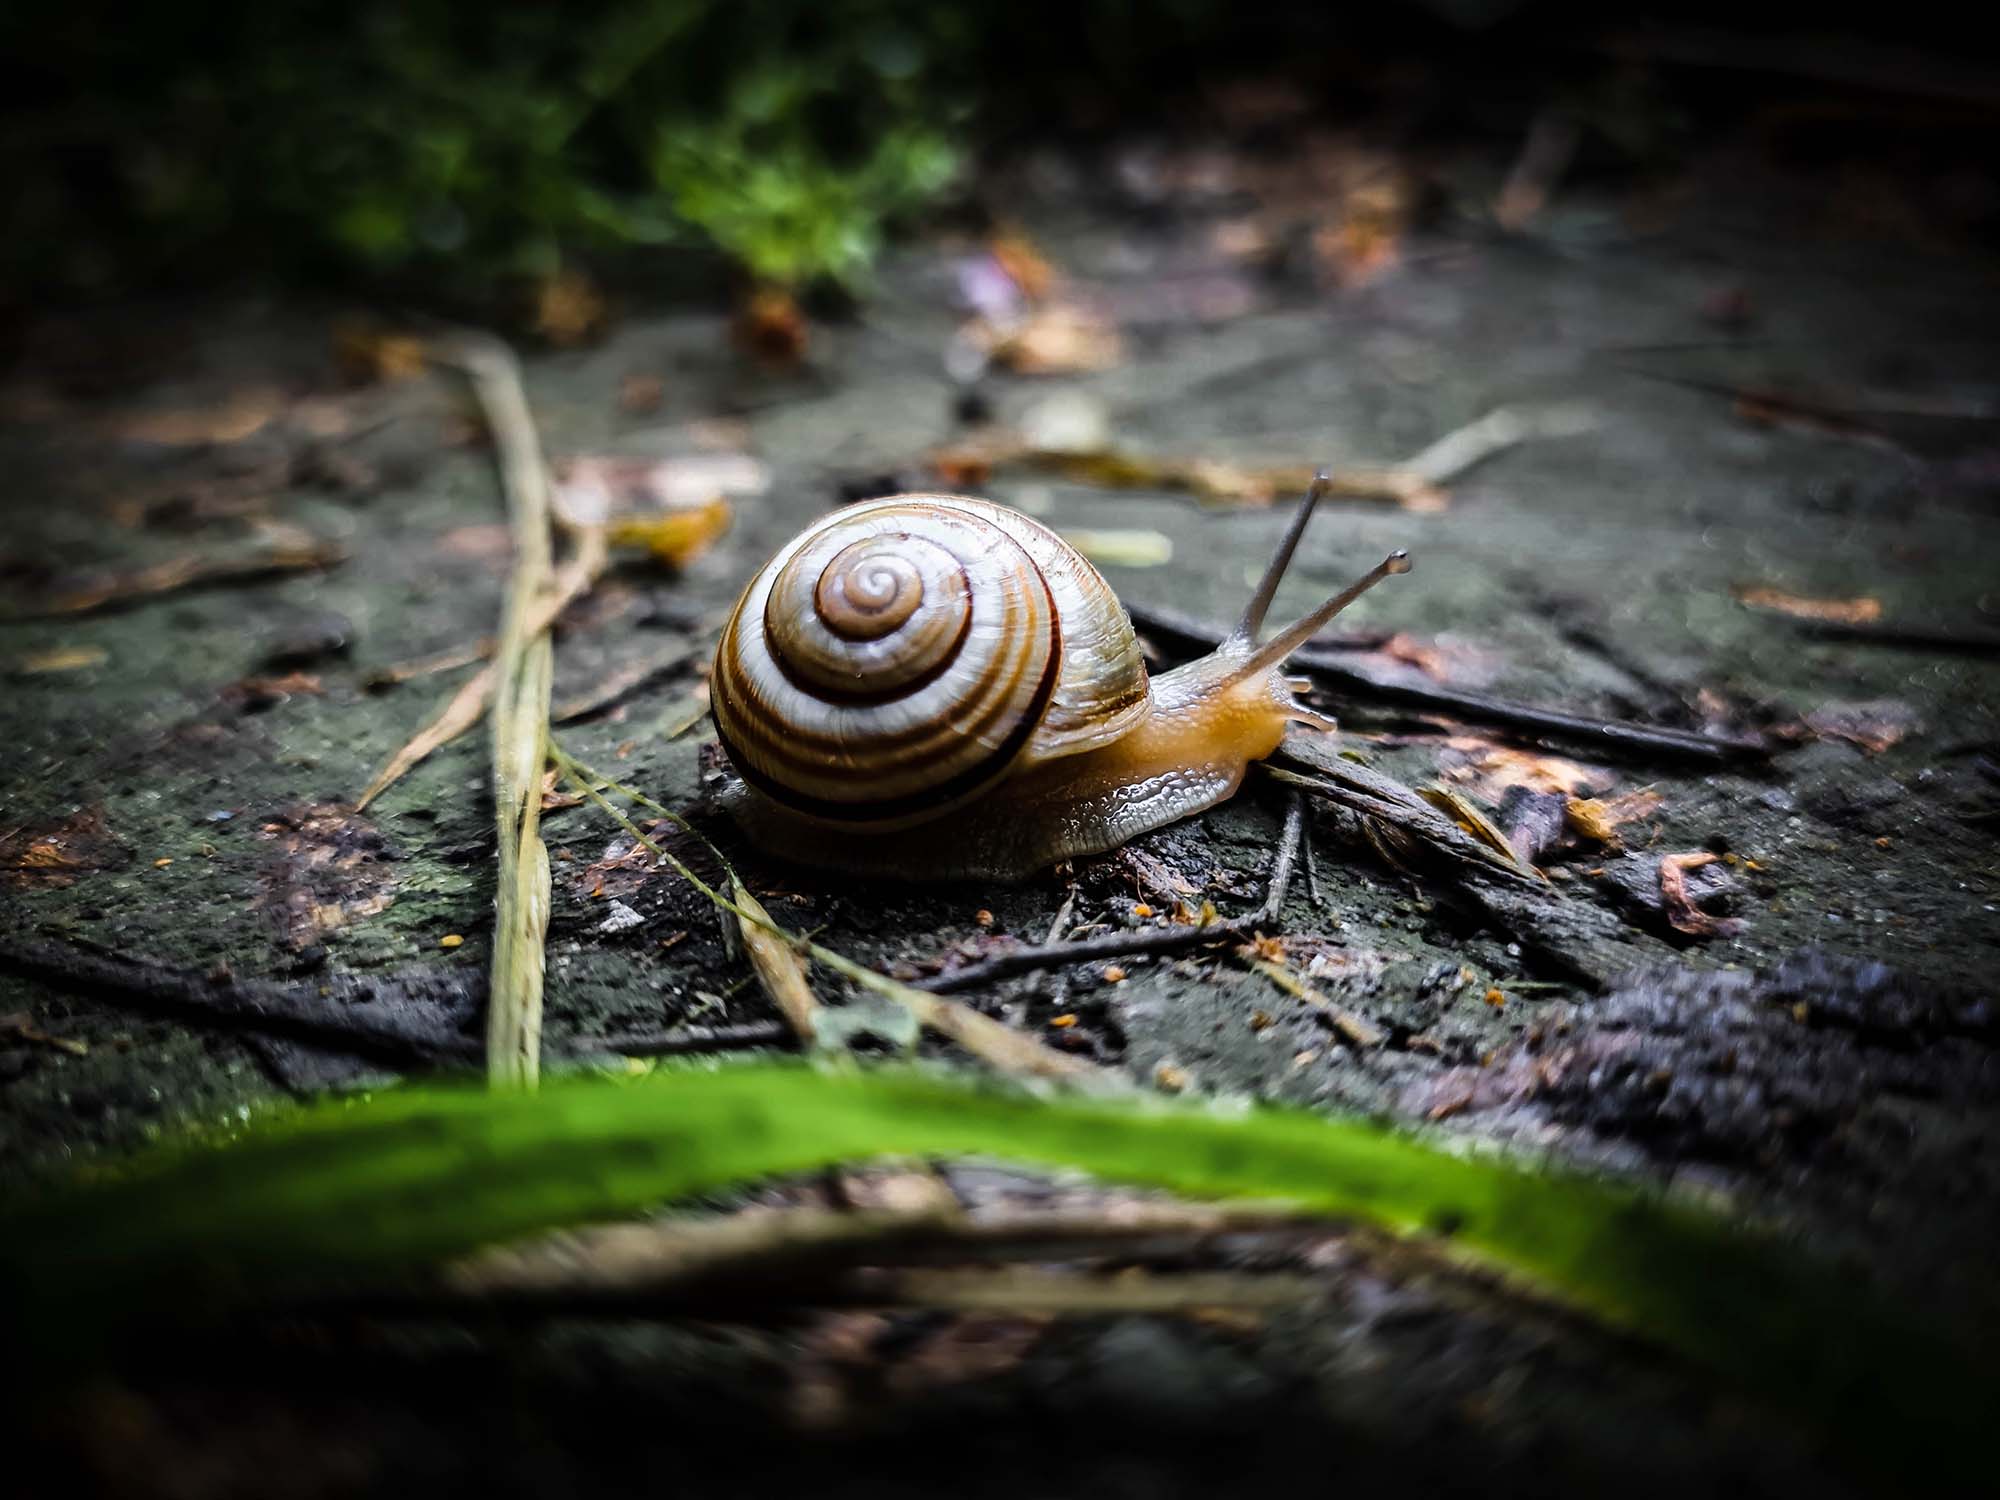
{"x": 1823, "y": 1059}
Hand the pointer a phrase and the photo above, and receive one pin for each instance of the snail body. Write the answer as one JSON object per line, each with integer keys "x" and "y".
{"x": 935, "y": 686}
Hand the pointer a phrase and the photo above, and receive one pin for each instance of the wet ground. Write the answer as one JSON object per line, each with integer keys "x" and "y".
{"x": 1821, "y": 1055}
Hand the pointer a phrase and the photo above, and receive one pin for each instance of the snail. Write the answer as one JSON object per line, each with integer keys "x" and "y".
{"x": 934, "y": 686}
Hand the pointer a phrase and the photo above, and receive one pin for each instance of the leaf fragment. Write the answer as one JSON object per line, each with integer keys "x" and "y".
{"x": 1599, "y": 818}
{"x": 1678, "y": 906}
{"x": 1860, "y": 610}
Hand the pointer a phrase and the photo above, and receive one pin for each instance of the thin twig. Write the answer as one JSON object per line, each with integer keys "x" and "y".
{"x": 416, "y": 1017}
{"x": 1023, "y": 1289}
{"x": 1059, "y": 923}
{"x": 1163, "y": 625}
{"x": 681, "y": 1041}
{"x": 616, "y": 688}
{"x": 1006, "y": 1289}
{"x": 1148, "y": 942}
{"x": 281, "y": 550}
{"x": 659, "y": 1255}
{"x": 1417, "y": 484}
{"x": 1906, "y": 637}
{"x": 427, "y": 666}
{"x": 1545, "y": 155}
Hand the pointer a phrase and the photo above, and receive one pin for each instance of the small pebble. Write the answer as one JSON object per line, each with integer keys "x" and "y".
{"x": 621, "y": 918}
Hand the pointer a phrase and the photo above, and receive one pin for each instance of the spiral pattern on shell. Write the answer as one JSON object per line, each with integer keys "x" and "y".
{"x": 902, "y": 655}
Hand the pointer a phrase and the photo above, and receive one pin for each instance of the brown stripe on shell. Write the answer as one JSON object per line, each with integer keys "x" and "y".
{"x": 795, "y": 756}
{"x": 913, "y": 806}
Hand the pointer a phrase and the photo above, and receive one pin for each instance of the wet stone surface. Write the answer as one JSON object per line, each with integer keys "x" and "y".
{"x": 1827, "y": 1064}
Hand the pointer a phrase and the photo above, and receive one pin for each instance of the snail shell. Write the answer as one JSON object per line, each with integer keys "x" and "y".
{"x": 931, "y": 685}
{"x": 902, "y": 656}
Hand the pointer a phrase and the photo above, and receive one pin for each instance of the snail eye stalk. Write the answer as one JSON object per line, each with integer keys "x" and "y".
{"x": 1295, "y": 635}
{"x": 1267, "y": 587}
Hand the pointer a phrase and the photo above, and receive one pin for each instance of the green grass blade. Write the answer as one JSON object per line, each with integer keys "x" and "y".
{"x": 359, "y": 1190}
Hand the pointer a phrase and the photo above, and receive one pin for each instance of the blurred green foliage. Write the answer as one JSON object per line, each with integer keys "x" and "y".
{"x": 448, "y": 145}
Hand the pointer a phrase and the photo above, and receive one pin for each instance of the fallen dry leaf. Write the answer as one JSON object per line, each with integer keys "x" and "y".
{"x": 771, "y": 327}
{"x": 264, "y": 691}
{"x": 369, "y": 354}
{"x": 1154, "y": 876}
{"x": 240, "y": 414}
{"x": 569, "y": 310}
{"x": 330, "y": 868}
{"x": 641, "y": 395}
{"x": 1488, "y": 769}
{"x": 1857, "y": 611}
{"x": 553, "y": 798}
{"x": 1023, "y": 263}
{"x": 1681, "y": 912}
{"x": 961, "y": 468}
{"x": 1417, "y": 484}
{"x": 674, "y": 538}
{"x": 1874, "y": 726}
{"x": 1372, "y": 201}
{"x": 1060, "y": 338}
{"x": 1406, "y": 648}
{"x": 591, "y": 489}
{"x": 21, "y": 1025}
{"x": 62, "y": 659}
{"x": 1269, "y": 949}
{"x": 55, "y": 854}
{"x": 1599, "y": 818}
{"x": 617, "y": 874}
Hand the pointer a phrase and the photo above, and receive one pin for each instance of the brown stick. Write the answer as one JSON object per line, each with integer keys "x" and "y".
{"x": 1164, "y": 625}
{"x": 1145, "y": 943}
{"x": 283, "y": 549}
{"x": 413, "y": 1017}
